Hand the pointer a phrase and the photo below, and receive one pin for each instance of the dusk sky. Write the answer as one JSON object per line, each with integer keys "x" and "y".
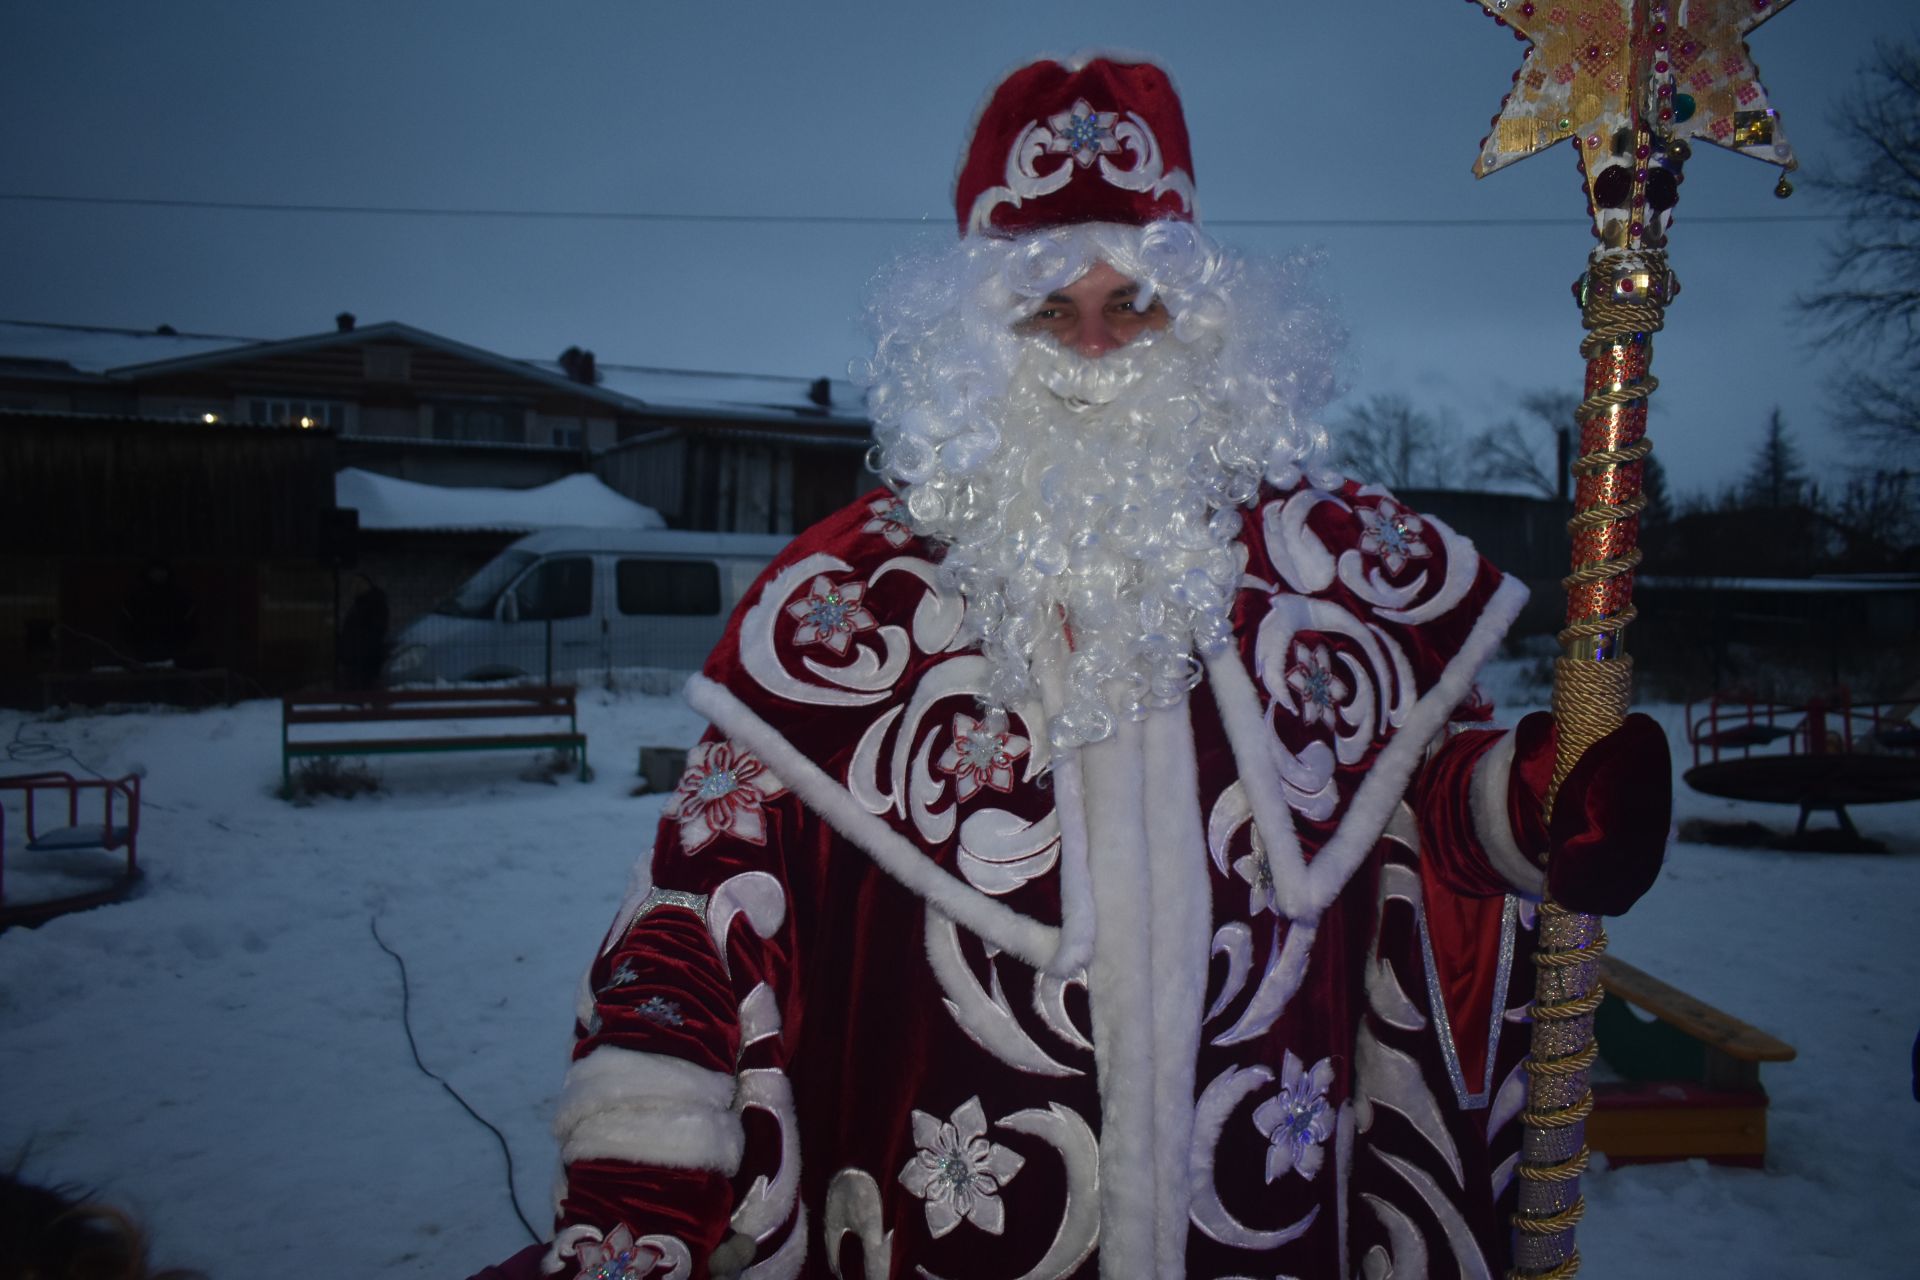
{"x": 783, "y": 151}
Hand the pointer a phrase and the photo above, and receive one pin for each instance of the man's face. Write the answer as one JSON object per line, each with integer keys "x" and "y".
{"x": 1095, "y": 314}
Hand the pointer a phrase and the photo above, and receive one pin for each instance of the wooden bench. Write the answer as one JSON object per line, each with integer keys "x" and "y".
{"x": 392, "y": 709}
{"x": 77, "y": 849}
{"x": 1690, "y": 1082}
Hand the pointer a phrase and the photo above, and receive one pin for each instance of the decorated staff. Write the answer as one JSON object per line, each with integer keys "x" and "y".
{"x": 1633, "y": 83}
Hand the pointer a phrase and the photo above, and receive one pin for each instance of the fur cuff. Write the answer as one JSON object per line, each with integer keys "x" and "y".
{"x": 648, "y": 1109}
{"x": 1488, "y": 800}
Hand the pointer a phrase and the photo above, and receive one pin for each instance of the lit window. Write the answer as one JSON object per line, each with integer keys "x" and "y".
{"x": 298, "y": 413}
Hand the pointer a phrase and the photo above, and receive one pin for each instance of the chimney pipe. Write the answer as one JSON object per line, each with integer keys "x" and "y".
{"x": 344, "y": 322}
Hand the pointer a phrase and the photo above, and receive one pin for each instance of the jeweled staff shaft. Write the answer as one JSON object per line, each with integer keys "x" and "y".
{"x": 1631, "y": 84}
{"x": 1623, "y": 296}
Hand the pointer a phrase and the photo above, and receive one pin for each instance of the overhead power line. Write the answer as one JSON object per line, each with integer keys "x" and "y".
{"x": 800, "y": 219}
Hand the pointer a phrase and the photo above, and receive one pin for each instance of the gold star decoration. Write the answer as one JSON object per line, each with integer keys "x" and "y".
{"x": 1594, "y": 68}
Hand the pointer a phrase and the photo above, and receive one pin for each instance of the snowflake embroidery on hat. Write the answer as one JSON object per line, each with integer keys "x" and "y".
{"x": 981, "y": 754}
{"x": 1297, "y": 1120}
{"x": 724, "y": 791}
{"x": 1320, "y": 687}
{"x": 958, "y": 1172}
{"x": 619, "y": 1256}
{"x": 831, "y": 615}
{"x": 623, "y": 976}
{"x": 1392, "y": 534}
{"x": 890, "y": 521}
{"x": 1084, "y": 133}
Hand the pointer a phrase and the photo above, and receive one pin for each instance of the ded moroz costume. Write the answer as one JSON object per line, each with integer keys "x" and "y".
{"x": 1093, "y": 867}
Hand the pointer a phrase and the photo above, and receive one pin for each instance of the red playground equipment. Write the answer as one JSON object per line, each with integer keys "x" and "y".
{"x": 1826, "y": 754}
{"x": 83, "y": 863}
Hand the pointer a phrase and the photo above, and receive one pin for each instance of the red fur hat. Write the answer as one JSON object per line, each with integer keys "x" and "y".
{"x": 1098, "y": 140}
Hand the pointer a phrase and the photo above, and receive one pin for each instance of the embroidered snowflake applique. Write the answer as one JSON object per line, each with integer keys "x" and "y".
{"x": 723, "y": 792}
{"x": 1392, "y": 534}
{"x": 981, "y": 754}
{"x": 831, "y": 615}
{"x": 958, "y": 1172}
{"x": 619, "y": 1257}
{"x": 890, "y": 521}
{"x": 1258, "y": 873}
{"x": 1083, "y": 133}
{"x": 625, "y": 975}
{"x": 1320, "y": 687}
{"x": 661, "y": 1011}
{"x": 1297, "y": 1120}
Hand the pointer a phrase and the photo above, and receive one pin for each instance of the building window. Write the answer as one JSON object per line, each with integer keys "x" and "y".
{"x": 557, "y": 589}
{"x": 298, "y": 413}
{"x": 495, "y": 424}
{"x": 670, "y": 588}
{"x": 569, "y": 437}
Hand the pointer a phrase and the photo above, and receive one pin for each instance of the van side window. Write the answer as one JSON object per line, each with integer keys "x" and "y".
{"x": 558, "y": 588}
{"x": 679, "y": 588}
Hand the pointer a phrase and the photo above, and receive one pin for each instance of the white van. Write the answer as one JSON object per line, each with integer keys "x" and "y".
{"x": 563, "y": 601}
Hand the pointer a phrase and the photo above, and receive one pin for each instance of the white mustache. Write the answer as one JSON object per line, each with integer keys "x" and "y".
{"x": 1084, "y": 383}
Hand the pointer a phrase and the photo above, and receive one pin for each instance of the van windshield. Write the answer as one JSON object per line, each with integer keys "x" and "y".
{"x": 476, "y": 598}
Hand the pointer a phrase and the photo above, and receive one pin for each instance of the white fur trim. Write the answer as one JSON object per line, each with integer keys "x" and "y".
{"x": 1014, "y": 933}
{"x": 619, "y": 1104}
{"x": 1305, "y": 891}
{"x": 1120, "y": 987}
{"x": 1182, "y": 914}
{"x": 1487, "y": 798}
{"x": 1070, "y": 810}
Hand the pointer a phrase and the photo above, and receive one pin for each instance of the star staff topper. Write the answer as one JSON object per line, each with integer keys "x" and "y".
{"x": 1633, "y": 82}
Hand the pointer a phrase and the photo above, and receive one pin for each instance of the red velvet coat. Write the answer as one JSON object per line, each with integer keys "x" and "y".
{"x": 1231, "y": 993}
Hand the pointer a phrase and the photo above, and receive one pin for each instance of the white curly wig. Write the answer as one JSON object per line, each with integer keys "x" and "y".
{"x": 1104, "y": 493}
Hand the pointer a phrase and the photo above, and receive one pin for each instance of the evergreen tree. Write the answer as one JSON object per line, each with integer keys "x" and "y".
{"x": 1775, "y": 479}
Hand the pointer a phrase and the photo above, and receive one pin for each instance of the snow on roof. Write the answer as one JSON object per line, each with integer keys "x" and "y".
{"x": 96, "y": 349}
{"x": 387, "y": 503}
{"x": 690, "y": 389}
{"x": 99, "y": 349}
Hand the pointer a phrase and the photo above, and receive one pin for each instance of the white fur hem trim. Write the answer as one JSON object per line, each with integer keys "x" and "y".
{"x": 1024, "y": 938}
{"x": 1305, "y": 891}
{"x": 646, "y": 1108}
{"x": 1487, "y": 798}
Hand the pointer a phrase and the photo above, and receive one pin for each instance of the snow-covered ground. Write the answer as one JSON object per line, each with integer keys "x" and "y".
{"x": 224, "y": 1054}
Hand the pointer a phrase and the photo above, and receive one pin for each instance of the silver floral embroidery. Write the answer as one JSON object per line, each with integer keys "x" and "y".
{"x": 957, "y": 1172}
{"x": 890, "y": 521}
{"x": 1392, "y": 534}
{"x": 831, "y": 614}
{"x": 1254, "y": 868}
{"x": 1083, "y": 133}
{"x": 1297, "y": 1120}
{"x": 981, "y": 754}
{"x": 724, "y": 791}
{"x": 1320, "y": 687}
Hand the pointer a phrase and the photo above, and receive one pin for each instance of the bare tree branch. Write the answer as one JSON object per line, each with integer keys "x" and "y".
{"x": 1871, "y": 306}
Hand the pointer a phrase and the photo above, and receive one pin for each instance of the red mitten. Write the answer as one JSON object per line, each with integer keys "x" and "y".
{"x": 1610, "y": 820}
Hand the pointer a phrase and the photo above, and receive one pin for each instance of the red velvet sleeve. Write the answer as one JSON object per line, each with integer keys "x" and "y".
{"x": 653, "y": 1145}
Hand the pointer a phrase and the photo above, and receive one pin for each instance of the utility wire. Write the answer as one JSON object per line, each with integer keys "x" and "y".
{"x": 808, "y": 219}
{"x": 406, "y": 1021}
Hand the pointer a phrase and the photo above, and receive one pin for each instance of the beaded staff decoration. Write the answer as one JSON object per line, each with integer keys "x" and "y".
{"x": 1634, "y": 83}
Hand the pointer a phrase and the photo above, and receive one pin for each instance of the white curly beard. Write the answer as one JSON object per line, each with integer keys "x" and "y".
{"x": 1105, "y": 507}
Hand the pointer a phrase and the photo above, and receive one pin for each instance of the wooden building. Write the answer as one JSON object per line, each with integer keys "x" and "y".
{"x": 143, "y": 560}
